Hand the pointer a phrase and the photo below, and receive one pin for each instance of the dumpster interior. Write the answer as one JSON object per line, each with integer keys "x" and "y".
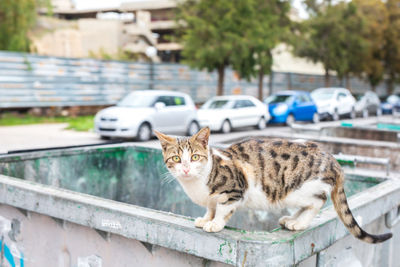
{"x": 134, "y": 175}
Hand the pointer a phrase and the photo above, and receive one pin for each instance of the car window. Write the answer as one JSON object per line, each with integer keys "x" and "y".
{"x": 273, "y": 99}
{"x": 341, "y": 95}
{"x": 239, "y": 104}
{"x": 216, "y": 104}
{"x": 167, "y": 100}
{"x": 302, "y": 99}
{"x": 171, "y": 100}
{"x": 322, "y": 95}
{"x": 179, "y": 101}
{"x": 137, "y": 100}
{"x": 248, "y": 103}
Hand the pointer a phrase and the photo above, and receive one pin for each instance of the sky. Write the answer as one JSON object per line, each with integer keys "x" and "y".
{"x": 90, "y": 4}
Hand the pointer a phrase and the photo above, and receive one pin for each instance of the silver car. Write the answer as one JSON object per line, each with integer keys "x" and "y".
{"x": 137, "y": 114}
{"x": 368, "y": 104}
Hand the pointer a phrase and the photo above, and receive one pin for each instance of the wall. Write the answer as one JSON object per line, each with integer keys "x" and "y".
{"x": 28, "y": 80}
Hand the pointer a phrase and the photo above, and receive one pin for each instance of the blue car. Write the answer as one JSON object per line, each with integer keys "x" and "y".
{"x": 290, "y": 106}
{"x": 390, "y": 104}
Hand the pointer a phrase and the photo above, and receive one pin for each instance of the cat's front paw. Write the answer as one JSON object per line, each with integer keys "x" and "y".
{"x": 200, "y": 222}
{"x": 295, "y": 225}
{"x": 284, "y": 219}
{"x": 213, "y": 226}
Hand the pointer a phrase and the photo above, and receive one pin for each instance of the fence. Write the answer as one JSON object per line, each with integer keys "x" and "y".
{"x": 28, "y": 80}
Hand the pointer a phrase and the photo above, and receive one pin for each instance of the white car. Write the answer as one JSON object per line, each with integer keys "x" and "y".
{"x": 368, "y": 104}
{"x": 222, "y": 113}
{"x": 138, "y": 113}
{"x": 334, "y": 102}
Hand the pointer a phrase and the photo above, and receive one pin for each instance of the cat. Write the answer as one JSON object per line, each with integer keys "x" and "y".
{"x": 259, "y": 174}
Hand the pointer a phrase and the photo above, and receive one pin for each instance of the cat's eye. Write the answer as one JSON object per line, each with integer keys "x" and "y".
{"x": 195, "y": 157}
{"x": 176, "y": 159}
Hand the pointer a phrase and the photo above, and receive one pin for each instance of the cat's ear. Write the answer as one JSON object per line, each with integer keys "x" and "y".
{"x": 164, "y": 139}
{"x": 202, "y": 136}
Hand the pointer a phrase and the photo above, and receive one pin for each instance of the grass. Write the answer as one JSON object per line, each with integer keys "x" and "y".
{"x": 80, "y": 123}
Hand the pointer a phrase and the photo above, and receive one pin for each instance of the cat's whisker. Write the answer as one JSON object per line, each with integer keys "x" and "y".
{"x": 166, "y": 178}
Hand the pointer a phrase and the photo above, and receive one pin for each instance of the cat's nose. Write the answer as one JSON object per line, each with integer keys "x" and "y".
{"x": 186, "y": 171}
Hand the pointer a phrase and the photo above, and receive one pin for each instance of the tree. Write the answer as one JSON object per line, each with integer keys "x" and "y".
{"x": 376, "y": 21}
{"x": 392, "y": 45}
{"x": 210, "y": 32}
{"x": 333, "y": 36}
{"x": 263, "y": 31}
{"x": 16, "y": 17}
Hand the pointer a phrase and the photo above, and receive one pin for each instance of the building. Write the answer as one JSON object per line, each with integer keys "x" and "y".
{"x": 132, "y": 27}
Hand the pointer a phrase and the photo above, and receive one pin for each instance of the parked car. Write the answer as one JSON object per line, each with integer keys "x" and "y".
{"x": 391, "y": 101}
{"x": 368, "y": 104}
{"x": 137, "y": 114}
{"x": 223, "y": 113}
{"x": 290, "y": 106}
{"x": 334, "y": 102}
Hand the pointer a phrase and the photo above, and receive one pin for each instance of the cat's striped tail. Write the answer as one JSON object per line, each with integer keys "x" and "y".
{"x": 342, "y": 208}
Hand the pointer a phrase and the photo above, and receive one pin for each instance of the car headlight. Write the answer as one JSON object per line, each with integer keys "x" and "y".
{"x": 281, "y": 109}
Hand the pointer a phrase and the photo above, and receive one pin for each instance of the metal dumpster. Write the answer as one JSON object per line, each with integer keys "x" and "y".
{"x": 116, "y": 205}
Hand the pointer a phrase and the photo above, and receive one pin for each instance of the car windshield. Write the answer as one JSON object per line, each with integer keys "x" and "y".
{"x": 216, "y": 104}
{"x": 393, "y": 99}
{"x": 322, "y": 95}
{"x": 136, "y": 100}
{"x": 273, "y": 99}
{"x": 358, "y": 97}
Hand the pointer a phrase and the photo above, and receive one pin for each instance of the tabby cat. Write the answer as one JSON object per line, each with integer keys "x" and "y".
{"x": 259, "y": 174}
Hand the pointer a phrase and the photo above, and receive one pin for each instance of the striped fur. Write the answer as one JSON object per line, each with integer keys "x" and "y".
{"x": 261, "y": 174}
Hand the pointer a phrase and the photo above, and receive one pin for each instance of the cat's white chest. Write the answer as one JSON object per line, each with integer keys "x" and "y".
{"x": 197, "y": 191}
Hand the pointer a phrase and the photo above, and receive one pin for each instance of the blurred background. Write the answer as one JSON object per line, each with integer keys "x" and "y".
{"x": 63, "y": 60}
{"x": 83, "y": 84}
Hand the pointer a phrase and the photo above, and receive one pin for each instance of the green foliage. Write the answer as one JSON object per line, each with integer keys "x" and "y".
{"x": 265, "y": 27}
{"x": 212, "y": 33}
{"x": 237, "y": 33}
{"x": 376, "y": 20}
{"x": 334, "y": 37}
{"x": 16, "y": 17}
{"x": 392, "y": 45}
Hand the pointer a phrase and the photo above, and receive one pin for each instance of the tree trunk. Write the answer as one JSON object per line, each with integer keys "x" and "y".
{"x": 348, "y": 84}
{"x": 221, "y": 76}
{"x": 390, "y": 84}
{"x": 327, "y": 78}
{"x": 260, "y": 83}
{"x": 270, "y": 83}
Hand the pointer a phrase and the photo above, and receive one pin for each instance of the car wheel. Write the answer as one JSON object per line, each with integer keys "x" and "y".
{"x": 226, "y": 127}
{"x": 262, "y": 124}
{"x": 335, "y": 115}
{"x": 144, "y": 132}
{"x": 290, "y": 120}
{"x": 378, "y": 112}
{"x": 365, "y": 113}
{"x": 193, "y": 128}
{"x": 105, "y": 137}
{"x": 353, "y": 114}
{"x": 315, "y": 117}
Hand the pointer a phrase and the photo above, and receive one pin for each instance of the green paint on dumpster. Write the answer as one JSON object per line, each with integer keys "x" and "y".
{"x": 385, "y": 126}
{"x": 133, "y": 175}
{"x": 346, "y": 124}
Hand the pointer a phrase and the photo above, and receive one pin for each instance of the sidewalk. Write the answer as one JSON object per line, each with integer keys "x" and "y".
{"x": 41, "y": 136}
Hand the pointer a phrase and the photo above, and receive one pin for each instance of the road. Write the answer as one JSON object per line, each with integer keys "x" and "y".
{"x": 55, "y": 135}
{"x": 38, "y": 136}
